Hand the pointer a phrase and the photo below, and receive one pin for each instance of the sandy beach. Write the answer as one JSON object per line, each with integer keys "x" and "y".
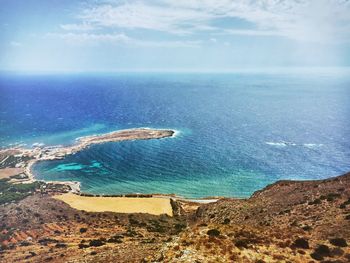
{"x": 152, "y": 205}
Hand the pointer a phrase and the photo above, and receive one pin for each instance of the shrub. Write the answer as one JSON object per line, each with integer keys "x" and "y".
{"x": 213, "y": 233}
{"x": 342, "y": 206}
{"x": 316, "y": 256}
{"x": 46, "y": 241}
{"x": 81, "y": 246}
{"x": 339, "y": 242}
{"x": 320, "y": 252}
{"x": 323, "y": 250}
{"x": 337, "y": 252}
{"x": 315, "y": 202}
{"x": 227, "y": 221}
{"x": 301, "y": 243}
{"x": 15, "y": 192}
{"x": 306, "y": 228}
{"x": 83, "y": 230}
{"x": 332, "y": 196}
{"x": 115, "y": 239}
{"x": 179, "y": 227}
{"x": 60, "y": 245}
{"x": 96, "y": 243}
{"x": 242, "y": 243}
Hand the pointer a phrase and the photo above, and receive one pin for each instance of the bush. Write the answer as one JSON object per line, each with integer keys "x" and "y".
{"x": 301, "y": 243}
{"x": 83, "y": 230}
{"x": 115, "y": 239}
{"x": 213, "y": 233}
{"x": 315, "y": 202}
{"x": 81, "y": 246}
{"x": 339, "y": 242}
{"x": 227, "y": 221}
{"x": 60, "y": 245}
{"x": 323, "y": 250}
{"x": 46, "y": 241}
{"x": 96, "y": 243}
{"x": 242, "y": 243}
{"x": 337, "y": 252}
{"x": 332, "y": 196}
{"x": 316, "y": 256}
{"x": 16, "y": 192}
{"x": 179, "y": 227}
{"x": 307, "y": 228}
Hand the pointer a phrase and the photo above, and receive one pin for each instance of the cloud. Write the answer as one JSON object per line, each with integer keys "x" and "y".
{"x": 79, "y": 38}
{"x": 301, "y": 20}
{"x": 160, "y": 17}
{"x": 78, "y": 27}
{"x": 249, "y": 32}
{"x": 121, "y": 39}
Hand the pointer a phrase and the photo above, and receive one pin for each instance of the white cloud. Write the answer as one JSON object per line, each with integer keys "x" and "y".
{"x": 78, "y": 27}
{"x": 95, "y": 39}
{"x": 303, "y": 20}
{"x": 158, "y": 17}
{"x": 79, "y": 38}
{"x": 249, "y": 32}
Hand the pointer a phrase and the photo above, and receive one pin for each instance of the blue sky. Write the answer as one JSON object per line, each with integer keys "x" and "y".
{"x": 111, "y": 35}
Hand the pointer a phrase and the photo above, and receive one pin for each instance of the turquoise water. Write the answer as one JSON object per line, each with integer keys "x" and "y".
{"x": 237, "y": 132}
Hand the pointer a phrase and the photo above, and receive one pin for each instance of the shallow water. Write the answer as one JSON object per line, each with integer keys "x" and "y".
{"x": 238, "y": 132}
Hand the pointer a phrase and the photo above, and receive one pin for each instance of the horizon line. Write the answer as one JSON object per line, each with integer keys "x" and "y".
{"x": 157, "y": 70}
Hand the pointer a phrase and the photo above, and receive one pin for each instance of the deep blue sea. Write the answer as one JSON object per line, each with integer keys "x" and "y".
{"x": 238, "y": 132}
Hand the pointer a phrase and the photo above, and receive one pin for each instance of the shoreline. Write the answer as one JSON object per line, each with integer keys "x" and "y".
{"x": 49, "y": 153}
{"x": 60, "y": 152}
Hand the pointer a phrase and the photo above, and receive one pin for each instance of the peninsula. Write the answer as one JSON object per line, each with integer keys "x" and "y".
{"x": 23, "y": 158}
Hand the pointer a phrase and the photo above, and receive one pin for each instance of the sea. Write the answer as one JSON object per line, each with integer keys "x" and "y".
{"x": 236, "y": 132}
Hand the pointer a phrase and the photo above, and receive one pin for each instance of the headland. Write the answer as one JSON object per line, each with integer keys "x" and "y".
{"x": 25, "y": 158}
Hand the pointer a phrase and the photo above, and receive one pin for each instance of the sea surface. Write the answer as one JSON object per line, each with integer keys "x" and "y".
{"x": 237, "y": 132}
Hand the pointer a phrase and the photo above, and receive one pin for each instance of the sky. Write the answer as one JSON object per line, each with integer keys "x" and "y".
{"x": 170, "y": 35}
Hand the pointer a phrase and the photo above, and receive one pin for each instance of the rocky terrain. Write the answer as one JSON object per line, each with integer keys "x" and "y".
{"x": 285, "y": 222}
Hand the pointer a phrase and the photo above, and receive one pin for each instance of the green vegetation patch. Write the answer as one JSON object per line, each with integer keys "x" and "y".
{"x": 14, "y": 192}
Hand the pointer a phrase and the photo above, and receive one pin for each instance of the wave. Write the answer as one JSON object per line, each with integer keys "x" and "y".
{"x": 281, "y": 144}
{"x": 38, "y": 144}
{"x": 313, "y": 145}
{"x": 284, "y": 144}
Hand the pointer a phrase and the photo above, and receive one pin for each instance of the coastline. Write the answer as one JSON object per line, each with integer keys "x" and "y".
{"x": 42, "y": 153}
{"x": 154, "y": 203}
{"x": 284, "y": 221}
{"x": 48, "y": 153}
